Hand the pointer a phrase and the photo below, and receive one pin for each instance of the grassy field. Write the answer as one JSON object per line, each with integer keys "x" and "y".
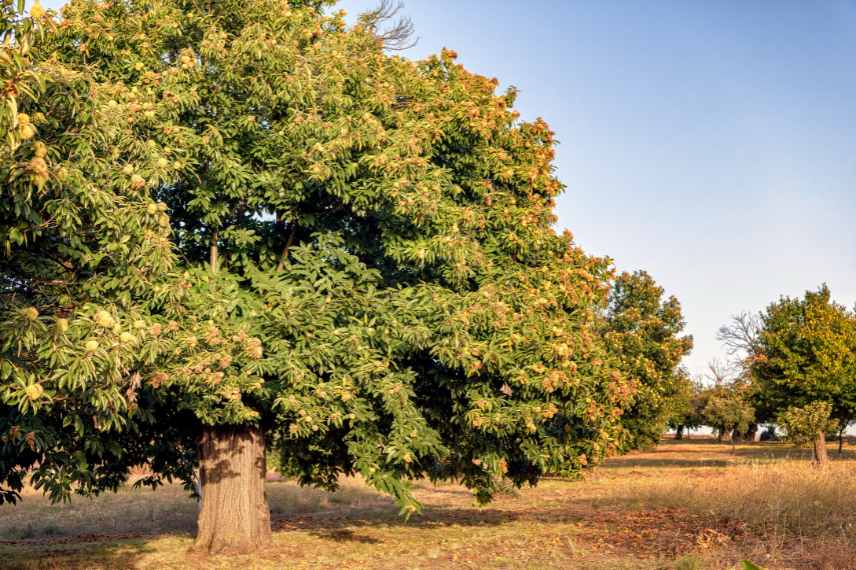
{"x": 685, "y": 505}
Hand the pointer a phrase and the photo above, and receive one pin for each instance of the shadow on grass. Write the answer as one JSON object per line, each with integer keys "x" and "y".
{"x": 83, "y": 553}
{"x": 344, "y": 524}
{"x": 630, "y": 463}
{"x": 345, "y": 527}
{"x": 768, "y": 451}
{"x": 128, "y": 524}
{"x": 343, "y": 535}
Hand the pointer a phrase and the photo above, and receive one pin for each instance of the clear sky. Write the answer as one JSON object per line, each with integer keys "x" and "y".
{"x": 712, "y": 144}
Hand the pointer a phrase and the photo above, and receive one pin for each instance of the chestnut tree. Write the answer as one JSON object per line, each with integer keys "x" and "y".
{"x": 643, "y": 332}
{"x": 804, "y": 367}
{"x": 307, "y": 247}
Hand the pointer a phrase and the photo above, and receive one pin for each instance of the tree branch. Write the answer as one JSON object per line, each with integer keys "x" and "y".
{"x": 399, "y": 36}
{"x": 284, "y": 256}
{"x": 212, "y": 255}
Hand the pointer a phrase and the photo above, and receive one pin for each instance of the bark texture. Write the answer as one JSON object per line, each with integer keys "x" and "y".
{"x": 234, "y": 516}
{"x": 821, "y": 457}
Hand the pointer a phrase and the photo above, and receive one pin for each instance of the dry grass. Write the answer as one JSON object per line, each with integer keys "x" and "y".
{"x": 767, "y": 498}
{"x": 135, "y": 512}
{"x": 686, "y": 505}
{"x": 779, "y": 501}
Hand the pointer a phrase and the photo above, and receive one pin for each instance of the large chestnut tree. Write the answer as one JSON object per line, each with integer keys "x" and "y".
{"x": 308, "y": 247}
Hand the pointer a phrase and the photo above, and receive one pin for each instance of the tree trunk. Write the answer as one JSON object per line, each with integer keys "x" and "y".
{"x": 679, "y": 433}
{"x": 841, "y": 438}
{"x": 821, "y": 458}
{"x": 234, "y": 516}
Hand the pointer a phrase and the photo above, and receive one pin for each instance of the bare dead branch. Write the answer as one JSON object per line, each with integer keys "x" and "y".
{"x": 398, "y": 35}
{"x": 721, "y": 373}
{"x": 740, "y": 335}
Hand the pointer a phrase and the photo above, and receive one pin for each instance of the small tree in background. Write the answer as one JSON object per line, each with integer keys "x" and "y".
{"x": 740, "y": 338}
{"x": 687, "y": 406}
{"x": 728, "y": 410}
{"x": 809, "y": 424}
{"x": 807, "y": 353}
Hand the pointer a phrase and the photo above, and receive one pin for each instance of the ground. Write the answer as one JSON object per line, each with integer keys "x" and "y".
{"x": 685, "y": 505}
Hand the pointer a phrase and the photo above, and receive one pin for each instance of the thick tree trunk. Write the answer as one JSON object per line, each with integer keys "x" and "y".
{"x": 821, "y": 457}
{"x": 841, "y": 439}
{"x": 234, "y": 516}
{"x": 679, "y": 433}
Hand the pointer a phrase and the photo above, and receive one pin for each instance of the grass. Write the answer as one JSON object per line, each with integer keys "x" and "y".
{"x": 686, "y": 505}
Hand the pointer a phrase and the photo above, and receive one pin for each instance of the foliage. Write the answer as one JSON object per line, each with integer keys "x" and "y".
{"x": 350, "y": 251}
{"x": 806, "y": 353}
{"x": 802, "y": 424}
{"x": 642, "y": 333}
{"x": 82, "y": 243}
{"x": 688, "y": 402}
{"x": 728, "y": 408}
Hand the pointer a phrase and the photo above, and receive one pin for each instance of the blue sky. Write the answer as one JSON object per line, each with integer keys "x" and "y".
{"x": 712, "y": 144}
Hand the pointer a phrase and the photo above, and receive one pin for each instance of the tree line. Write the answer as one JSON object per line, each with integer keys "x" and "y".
{"x": 793, "y": 365}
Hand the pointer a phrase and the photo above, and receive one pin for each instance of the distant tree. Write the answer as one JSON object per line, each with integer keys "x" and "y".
{"x": 687, "y": 406}
{"x": 643, "y": 334}
{"x": 809, "y": 424}
{"x": 740, "y": 338}
{"x": 728, "y": 409}
{"x": 806, "y": 354}
{"x": 842, "y": 429}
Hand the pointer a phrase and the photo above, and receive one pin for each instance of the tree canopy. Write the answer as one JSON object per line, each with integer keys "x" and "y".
{"x": 805, "y": 355}
{"x": 642, "y": 331}
{"x": 809, "y": 423}
{"x": 78, "y": 233}
{"x": 728, "y": 408}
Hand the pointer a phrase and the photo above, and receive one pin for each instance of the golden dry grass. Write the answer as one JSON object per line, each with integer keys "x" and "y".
{"x": 685, "y": 505}
{"x": 768, "y": 501}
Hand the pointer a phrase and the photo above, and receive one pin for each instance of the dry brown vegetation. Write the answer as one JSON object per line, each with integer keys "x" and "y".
{"x": 685, "y": 505}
